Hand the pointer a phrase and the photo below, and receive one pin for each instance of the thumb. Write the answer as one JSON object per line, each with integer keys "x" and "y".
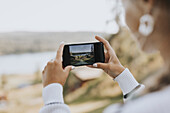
{"x": 69, "y": 68}
{"x": 101, "y": 65}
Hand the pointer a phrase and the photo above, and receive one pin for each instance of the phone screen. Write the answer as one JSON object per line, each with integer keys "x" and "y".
{"x": 82, "y": 54}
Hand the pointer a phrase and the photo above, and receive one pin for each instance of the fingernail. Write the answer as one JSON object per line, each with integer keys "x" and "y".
{"x": 62, "y": 42}
{"x": 95, "y": 65}
{"x": 73, "y": 67}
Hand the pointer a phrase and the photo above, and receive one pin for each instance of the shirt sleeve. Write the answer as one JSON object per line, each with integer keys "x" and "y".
{"x": 53, "y": 99}
{"x": 128, "y": 84}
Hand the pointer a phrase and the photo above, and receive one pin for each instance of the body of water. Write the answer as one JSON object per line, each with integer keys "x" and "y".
{"x": 27, "y": 63}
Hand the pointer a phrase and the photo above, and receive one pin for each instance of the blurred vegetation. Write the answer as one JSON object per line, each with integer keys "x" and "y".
{"x": 97, "y": 89}
{"x": 92, "y": 95}
{"x": 37, "y": 77}
{"x": 3, "y": 81}
{"x": 31, "y": 42}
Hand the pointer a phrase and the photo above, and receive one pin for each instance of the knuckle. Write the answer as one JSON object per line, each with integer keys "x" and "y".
{"x": 55, "y": 62}
{"x": 106, "y": 42}
{"x": 49, "y": 63}
{"x": 98, "y": 65}
{"x": 109, "y": 66}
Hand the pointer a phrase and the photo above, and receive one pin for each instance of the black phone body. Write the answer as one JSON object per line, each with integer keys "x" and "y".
{"x": 83, "y": 54}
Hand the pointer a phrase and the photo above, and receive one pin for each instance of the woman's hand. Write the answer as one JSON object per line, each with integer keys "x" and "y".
{"x": 54, "y": 72}
{"x": 112, "y": 65}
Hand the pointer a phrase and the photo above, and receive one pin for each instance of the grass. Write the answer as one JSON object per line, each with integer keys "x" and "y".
{"x": 113, "y": 100}
{"x": 85, "y": 97}
{"x": 90, "y": 99}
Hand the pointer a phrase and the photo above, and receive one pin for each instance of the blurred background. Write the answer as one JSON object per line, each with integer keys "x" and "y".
{"x": 30, "y": 33}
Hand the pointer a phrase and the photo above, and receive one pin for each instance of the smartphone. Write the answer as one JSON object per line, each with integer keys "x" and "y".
{"x": 83, "y": 54}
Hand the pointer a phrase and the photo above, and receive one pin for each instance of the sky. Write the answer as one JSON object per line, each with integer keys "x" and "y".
{"x": 53, "y": 15}
{"x": 80, "y": 48}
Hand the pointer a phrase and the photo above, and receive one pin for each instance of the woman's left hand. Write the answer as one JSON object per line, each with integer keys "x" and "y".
{"x": 54, "y": 72}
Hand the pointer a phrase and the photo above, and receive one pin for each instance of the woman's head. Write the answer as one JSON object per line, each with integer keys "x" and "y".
{"x": 158, "y": 39}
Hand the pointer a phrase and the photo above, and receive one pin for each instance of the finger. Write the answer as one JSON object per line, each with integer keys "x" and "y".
{"x": 90, "y": 66}
{"x": 105, "y": 42}
{"x": 68, "y": 68}
{"x": 106, "y": 57}
{"x": 49, "y": 63}
{"x": 60, "y": 52}
{"x": 101, "y": 65}
{"x": 109, "y": 49}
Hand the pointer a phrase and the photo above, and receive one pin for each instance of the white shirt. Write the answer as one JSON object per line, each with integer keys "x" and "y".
{"x": 151, "y": 103}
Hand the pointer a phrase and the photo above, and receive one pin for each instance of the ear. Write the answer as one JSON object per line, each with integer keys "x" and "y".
{"x": 149, "y": 6}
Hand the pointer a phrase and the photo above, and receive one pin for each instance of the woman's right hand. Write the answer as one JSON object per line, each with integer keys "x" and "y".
{"x": 112, "y": 65}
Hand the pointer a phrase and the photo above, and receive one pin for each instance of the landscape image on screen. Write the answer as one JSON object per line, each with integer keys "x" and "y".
{"x": 81, "y": 54}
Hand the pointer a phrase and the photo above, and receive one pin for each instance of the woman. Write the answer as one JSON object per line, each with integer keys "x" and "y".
{"x": 149, "y": 19}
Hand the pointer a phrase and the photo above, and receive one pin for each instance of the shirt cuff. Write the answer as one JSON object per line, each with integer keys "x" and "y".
{"x": 126, "y": 81}
{"x": 53, "y": 93}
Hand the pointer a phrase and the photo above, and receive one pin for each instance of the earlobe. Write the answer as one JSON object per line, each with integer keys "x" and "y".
{"x": 149, "y": 4}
